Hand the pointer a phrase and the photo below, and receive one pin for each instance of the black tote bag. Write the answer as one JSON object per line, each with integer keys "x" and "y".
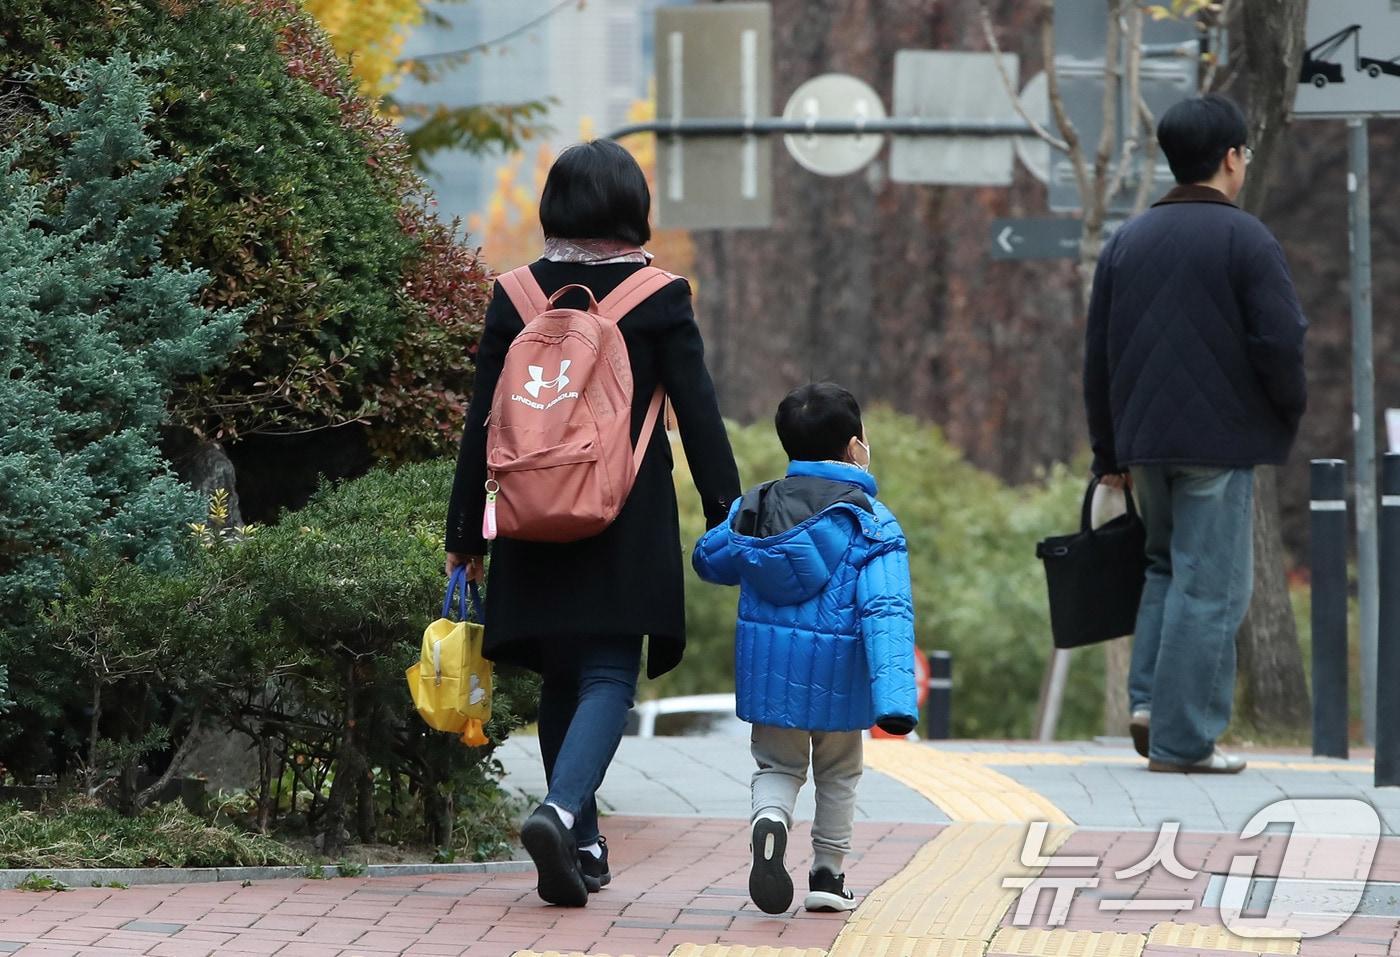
{"x": 1095, "y": 577}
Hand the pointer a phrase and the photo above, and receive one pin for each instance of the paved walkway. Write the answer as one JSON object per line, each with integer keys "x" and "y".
{"x": 1093, "y": 785}
{"x": 945, "y": 847}
{"x": 702, "y": 777}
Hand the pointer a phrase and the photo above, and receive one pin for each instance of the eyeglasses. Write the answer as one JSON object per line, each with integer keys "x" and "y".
{"x": 1248, "y": 154}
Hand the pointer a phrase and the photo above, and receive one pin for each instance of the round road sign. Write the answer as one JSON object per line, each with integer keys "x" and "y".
{"x": 834, "y": 96}
{"x": 1034, "y": 151}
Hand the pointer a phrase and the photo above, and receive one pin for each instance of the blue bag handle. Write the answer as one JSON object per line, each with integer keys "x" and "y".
{"x": 464, "y": 589}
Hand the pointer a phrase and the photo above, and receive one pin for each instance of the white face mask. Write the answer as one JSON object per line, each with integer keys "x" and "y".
{"x": 866, "y": 466}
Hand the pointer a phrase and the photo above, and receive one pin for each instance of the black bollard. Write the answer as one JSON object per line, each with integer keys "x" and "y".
{"x": 1388, "y": 642}
{"x": 1327, "y": 554}
{"x": 940, "y": 695}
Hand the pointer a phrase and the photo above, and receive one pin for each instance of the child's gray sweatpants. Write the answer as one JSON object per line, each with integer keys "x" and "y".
{"x": 836, "y": 758}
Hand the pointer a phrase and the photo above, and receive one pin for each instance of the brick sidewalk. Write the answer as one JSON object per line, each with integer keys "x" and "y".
{"x": 675, "y": 881}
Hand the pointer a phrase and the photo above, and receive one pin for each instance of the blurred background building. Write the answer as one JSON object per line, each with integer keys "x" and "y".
{"x": 589, "y": 62}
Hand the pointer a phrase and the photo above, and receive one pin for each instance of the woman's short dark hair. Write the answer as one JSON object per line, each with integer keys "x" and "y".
{"x": 1196, "y": 134}
{"x": 596, "y": 190}
{"x": 817, "y": 422}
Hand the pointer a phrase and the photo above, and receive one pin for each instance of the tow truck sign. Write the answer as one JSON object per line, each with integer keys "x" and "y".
{"x": 1351, "y": 60}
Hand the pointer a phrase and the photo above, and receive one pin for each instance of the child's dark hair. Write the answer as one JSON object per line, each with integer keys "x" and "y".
{"x": 817, "y": 422}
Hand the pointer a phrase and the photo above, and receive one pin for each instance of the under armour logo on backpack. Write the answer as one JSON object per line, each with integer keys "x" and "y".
{"x": 538, "y": 382}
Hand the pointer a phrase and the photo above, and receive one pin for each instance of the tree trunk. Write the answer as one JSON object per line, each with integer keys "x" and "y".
{"x": 366, "y": 826}
{"x": 349, "y": 766}
{"x": 1273, "y": 695}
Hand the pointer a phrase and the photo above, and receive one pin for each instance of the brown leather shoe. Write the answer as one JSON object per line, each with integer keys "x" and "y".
{"x": 1139, "y": 727}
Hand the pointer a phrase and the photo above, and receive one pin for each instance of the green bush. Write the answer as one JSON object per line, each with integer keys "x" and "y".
{"x": 297, "y": 635}
{"x": 94, "y": 331}
{"x": 979, "y": 591}
{"x": 349, "y": 583}
{"x": 299, "y": 200}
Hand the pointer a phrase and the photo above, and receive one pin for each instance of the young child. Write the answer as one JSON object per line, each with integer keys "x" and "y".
{"x": 825, "y": 640}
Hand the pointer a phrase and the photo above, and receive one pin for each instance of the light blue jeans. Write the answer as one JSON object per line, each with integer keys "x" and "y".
{"x": 1200, "y": 576}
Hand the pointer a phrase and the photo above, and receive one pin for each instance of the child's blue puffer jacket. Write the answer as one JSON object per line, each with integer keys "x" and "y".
{"x": 825, "y": 640}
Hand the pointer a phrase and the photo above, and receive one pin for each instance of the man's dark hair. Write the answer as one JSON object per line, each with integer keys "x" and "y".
{"x": 596, "y": 190}
{"x": 817, "y": 422}
{"x": 1196, "y": 134}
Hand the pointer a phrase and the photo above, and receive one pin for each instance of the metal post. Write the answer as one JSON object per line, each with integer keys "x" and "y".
{"x": 1388, "y": 652}
{"x": 1327, "y": 555}
{"x": 1364, "y": 389}
{"x": 940, "y": 696}
{"x": 1052, "y": 695}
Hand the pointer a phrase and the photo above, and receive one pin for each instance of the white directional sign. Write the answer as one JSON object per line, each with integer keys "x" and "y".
{"x": 714, "y": 62}
{"x": 834, "y": 96}
{"x": 941, "y": 85}
{"x": 1351, "y": 64}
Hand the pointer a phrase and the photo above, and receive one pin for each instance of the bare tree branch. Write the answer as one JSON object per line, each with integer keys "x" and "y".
{"x": 1096, "y": 203}
{"x": 1075, "y": 146}
{"x": 989, "y": 31}
{"x": 1132, "y": 134}
{"x": 1149, "y": 157}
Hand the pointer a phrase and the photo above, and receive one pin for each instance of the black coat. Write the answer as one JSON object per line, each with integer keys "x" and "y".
{"x": 628, "y": 580}
{"x": 1195, "y": 342}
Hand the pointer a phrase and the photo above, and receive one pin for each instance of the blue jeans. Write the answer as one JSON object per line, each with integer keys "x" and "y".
{"x": 588, "y": 688}
{"x": 1200, "y": 576}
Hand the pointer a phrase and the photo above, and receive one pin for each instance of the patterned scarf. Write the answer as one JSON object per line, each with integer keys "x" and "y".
{"x": 594, "y": 252}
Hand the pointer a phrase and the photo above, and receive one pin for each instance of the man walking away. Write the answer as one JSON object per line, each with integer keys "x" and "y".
{"x": 1193, "y": 376}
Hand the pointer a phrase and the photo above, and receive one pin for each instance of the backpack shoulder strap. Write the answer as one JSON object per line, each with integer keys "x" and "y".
{"x": 524, "y": 292}
{"x": 635, "y": 290}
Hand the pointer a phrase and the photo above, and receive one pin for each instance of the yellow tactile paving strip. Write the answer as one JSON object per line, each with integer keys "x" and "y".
{"x": 1062, "y": 943}
{"x": 949, "y": 900}
{"x": 1013, "y": 759}
{"x": 1204, "y": 937}
{"x": 726, "y": 950}
{"x": 965, "y": 790}
{"x": 698, "y": 950}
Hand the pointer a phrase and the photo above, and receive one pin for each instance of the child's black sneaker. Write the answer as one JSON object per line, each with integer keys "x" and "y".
{"x": 595, "y": 869}
{"x": 769, "y": 883}
{"x": 827, "y": 892}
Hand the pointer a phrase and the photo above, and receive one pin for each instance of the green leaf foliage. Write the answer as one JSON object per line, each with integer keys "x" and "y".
{"x": 301, "y": 203}
{"x": 298, "y": 636}
{"x": 95, "y": 328}
{"x": 478, "y": 129}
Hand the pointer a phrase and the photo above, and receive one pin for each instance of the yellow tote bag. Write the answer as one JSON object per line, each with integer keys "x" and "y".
{"x": 451, "y": 683}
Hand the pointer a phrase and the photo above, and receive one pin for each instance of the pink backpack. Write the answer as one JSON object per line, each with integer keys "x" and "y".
{"x": 559, "y": 456}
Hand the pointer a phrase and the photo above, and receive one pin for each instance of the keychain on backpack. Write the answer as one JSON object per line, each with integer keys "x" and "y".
{"x": 488, "y": 518}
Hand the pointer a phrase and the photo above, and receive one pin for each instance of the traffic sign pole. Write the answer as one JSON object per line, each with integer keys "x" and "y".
{"x": 1364, "y": 389}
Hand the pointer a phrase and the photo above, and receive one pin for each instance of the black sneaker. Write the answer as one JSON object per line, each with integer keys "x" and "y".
{"x": 552, "y": 847}
{"x": 596, "y": 875}
{"x": 827, "y": 892}
{"x": 769, "y": 883}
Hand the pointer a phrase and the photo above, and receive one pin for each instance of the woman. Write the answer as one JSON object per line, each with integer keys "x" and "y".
{"x": 576, "y": 613}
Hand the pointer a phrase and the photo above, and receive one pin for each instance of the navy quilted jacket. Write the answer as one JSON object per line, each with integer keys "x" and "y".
{"x": 825, "y": 640}
{"x": 1195, "y": 343}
